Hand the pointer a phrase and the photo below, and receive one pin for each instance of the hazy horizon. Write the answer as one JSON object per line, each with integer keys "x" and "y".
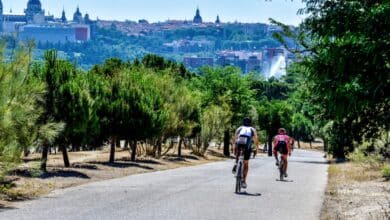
{"x": 246, "y": 11}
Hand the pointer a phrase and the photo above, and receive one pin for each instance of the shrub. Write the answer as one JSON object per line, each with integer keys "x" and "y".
{"x": 386, "y": 172}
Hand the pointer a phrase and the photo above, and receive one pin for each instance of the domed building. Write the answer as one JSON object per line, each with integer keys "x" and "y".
{"x": 77, "y": 16}
{"x": 34, "y": 12}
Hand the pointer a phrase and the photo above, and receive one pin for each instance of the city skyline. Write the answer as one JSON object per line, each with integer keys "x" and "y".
{"x": 247, "y": 11}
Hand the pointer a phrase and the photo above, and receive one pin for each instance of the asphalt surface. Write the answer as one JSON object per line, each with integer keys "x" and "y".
{"x": 199, "y": 192}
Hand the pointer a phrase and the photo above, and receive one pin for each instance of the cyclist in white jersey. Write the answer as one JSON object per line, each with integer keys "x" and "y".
{"x": 244, "y": 136}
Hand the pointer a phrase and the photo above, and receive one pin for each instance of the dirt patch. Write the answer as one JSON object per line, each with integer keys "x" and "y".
{"x": 28, "y": 182}
{"x": 356, "y": 191}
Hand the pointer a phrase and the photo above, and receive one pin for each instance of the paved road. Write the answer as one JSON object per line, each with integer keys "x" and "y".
{"x": 201, "y": 192}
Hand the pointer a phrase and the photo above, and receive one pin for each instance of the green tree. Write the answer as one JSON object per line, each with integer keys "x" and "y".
{"x": 21, "y": 96}
{"x": 347, "y": 65}
{"x": 226, "y": 87}
{"x": 272, "y": 116}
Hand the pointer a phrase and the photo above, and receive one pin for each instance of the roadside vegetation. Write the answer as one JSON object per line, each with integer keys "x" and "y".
{"x": 345, "y": 61}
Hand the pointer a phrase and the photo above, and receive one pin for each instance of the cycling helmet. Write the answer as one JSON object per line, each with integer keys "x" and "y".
{"x": 247, "y": 121}
{"x": 282, "y": 131}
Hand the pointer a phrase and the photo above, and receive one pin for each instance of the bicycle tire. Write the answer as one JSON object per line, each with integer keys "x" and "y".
{"x": 238, "y": 184}
{"x": 281, "y": 173}
{"x": 239, "y": 177}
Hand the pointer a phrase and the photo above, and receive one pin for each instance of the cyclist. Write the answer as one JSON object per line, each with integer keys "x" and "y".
{"x": 282, "y": 144}
{"x": 244, "y": 136}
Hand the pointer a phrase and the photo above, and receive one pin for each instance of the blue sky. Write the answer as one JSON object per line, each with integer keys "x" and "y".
{"x": 161, "y": 10}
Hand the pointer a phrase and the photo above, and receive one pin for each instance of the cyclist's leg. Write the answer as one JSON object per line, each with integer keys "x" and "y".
{"x": 247, "y": 155}
{"x": 237, "y": 153}
{"x": 285, "y": 162}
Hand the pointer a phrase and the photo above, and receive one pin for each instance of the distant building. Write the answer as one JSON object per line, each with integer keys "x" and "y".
{"x": 245, "y": 60}
{"x": 217, "y": 21}
{"x": 189, "y": 46}
{"x": 197, "y": 62}
{"x": 47, "y": 34}
{"x": 34, "y": 25}
{"x": 197, "y": 18}
{"x": 63, "y": 17}
{"x": 34, "y": 12}
{"x": 87, "y": 20}
{"x": 77, "y": 16}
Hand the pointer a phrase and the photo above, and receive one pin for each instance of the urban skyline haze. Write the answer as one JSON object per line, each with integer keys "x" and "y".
{"x": 251, "y": 11}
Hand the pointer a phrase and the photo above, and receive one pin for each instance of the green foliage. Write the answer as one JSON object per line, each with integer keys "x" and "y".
{"x": 386, "y": 172}
{"x": 346, "y": 67}
{"x": 301, "y": 127}
{"x": 214, "y": 120}
{"x": 274, "y": 115}
{"x": 227, "y": 86}
{"x": 21, "y": 97}
{"x": 68, "y": 100}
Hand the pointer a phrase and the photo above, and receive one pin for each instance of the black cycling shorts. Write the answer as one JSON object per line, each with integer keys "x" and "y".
{"x": 246, "y": 150}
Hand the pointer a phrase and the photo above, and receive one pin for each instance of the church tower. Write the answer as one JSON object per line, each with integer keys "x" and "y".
{"x": 218, "y": 21}
{"x": 197, "y": 18}
{"x": 34, "y": 12}
{"x": 87, "y": 20}
{"x": 63, "y": 17}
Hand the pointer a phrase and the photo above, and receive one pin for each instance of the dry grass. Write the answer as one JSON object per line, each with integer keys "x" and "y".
{"x": 316, "y": 145}
{"x": 356, "y": 191}
{"x": 28, "y": 182}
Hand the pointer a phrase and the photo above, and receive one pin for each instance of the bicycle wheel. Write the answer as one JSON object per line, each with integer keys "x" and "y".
{"x": 238, "y": 184}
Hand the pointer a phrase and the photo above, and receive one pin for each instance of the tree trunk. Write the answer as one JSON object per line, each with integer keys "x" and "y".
{"x": 226, "y": 143}
{"x": 112, "y": 150}
{"x": 45, "y": 151}
{"x": 127, "y": 144}
{"x": 26, "y": 152}
{"x": 299, "y": 144}
{"x": 339, "y": 153}
{"x": 159, "y": 147}
{"x": 65, "y": 155}
{"x": 270, "y": 145}
{"x": 325, "y": 145}
{"x": 133, "y": 145}
{"x": 179, "y": 147}
{"x": 118, "y": 143}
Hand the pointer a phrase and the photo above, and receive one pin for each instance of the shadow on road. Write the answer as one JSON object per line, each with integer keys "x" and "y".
{"x": 5, "y": 208}
{"x": 248, "y": 194}
{"x": 286, "y": 181}
{"x": 307, "y": 161}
